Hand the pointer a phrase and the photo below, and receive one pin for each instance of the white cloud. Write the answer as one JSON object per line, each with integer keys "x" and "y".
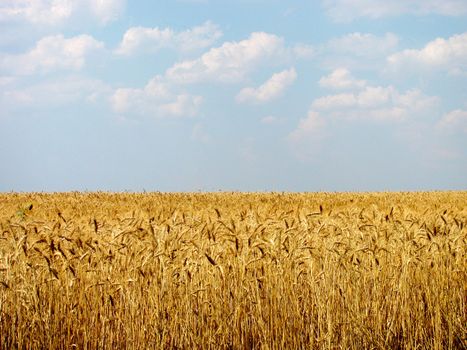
{"x": 306, "y": 139}
{"x": 335, "y": 101}
{"x": 374, "y": 96}
{"x": 363, "y": 51}
{"x": 368, "y": 103}
{"x": 107, "y": 10}
{"x": 270, "y": 90}
{"x": 302, "y": 51}
{"x": 376, "y": 103}
{"x": 56, "y": 93}
{"x": 183, "y": 105}
{"x": 454, "y": 121}
{"x": 156, "y": 100}
{"x": 449, "y": 55}
{"x": 311, "y": 127}
{"x": 348, "y": 10}
{"x": 36, "y": 11}
{"x": 54, "y": 12}
{"x": 363, "y": 44}
{"x": 138, "y": 39}
{"x": 233, "y": 60}
{"x": 341, "y": 78}
{"x": 271, "y": 119}
{"x": 52, "y": 53}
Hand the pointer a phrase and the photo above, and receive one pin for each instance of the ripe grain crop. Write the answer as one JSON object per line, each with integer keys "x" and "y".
{"x": 233, "y": 271}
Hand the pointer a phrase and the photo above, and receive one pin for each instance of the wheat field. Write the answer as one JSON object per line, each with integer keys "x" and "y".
{"x": 233, "y": 270}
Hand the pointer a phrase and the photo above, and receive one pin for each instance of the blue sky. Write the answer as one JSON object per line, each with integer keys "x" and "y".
{"x": 249, "y": 95}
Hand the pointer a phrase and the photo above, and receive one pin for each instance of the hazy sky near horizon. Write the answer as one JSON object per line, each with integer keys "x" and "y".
{"x": 249, "y": 95}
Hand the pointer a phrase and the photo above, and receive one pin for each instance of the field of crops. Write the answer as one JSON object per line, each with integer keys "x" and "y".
{"x": 233, "y": 271}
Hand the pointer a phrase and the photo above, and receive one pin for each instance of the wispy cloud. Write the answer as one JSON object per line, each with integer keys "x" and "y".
{"x": 349, "y": 10}
{"x": 358, "y": 50}
{"x": 143, "y": 39}
{"x": 454, "y": 121}
{"x": 310, "y": 128}
{"x": 199, "y": 134}
{"x": 51, "y": 94}
{"x": 363, "y": 44}
{"x": 271, "y": 120}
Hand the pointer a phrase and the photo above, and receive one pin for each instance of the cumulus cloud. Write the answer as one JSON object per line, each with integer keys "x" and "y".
{"x": 233, "y": 60}
{"x": 455, "y": 120}
{"x": 106, "y": 10}
{"x": 155, "y": 99}
{"x": 137, "y": 39}
{"x": 444, "y": 54}
{"x": 341, "y": 78}
{"x": 38, "y": 12}
{"x": 52, "y": 53}
{"x": 53, "y": 12}
{"x": 335, "y": 101}
{"x": 364, "y": 102}
{"x": 375, "y": 103}
{"x": 270, "y": 90}
{"x": 348, "y": 10}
